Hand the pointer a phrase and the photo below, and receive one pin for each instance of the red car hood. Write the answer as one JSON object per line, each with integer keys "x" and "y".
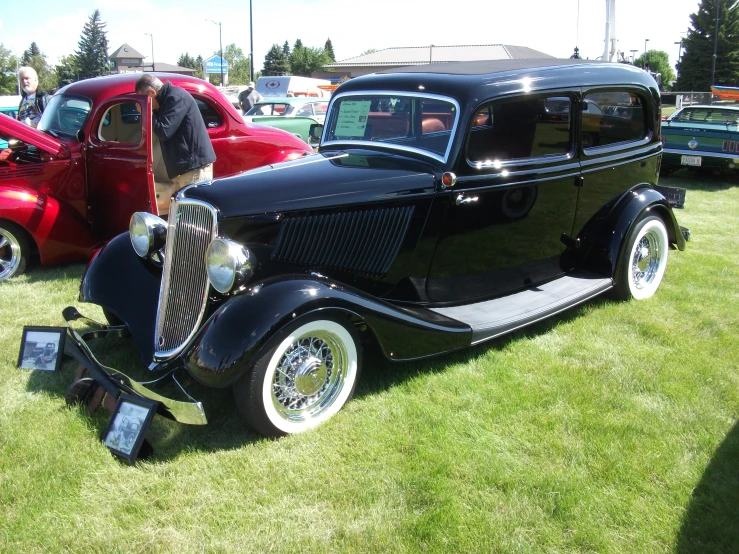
{"x": 30, "y": 135}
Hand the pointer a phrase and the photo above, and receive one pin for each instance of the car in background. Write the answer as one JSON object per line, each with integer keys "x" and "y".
{"x": 294, "y": 115}
{"x": 701, "y": 136}
{"x": 448, "y": 204}
{"x": 73, "y": 183}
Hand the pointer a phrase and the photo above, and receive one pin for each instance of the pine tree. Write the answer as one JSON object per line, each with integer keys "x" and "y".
{"x": 298, "y": 44}
{"x": 92, "y": 56}
{"x": 286, "y": 49}
{"x": 696, "y": 64}
{"x": 275, "y": 62}
{"x": 29, "y": 54}
{"x": 200, "y": 73}
{"x": 328, "y": 50}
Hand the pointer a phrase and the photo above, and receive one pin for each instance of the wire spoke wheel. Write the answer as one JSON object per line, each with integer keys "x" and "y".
{"x": 307, "y": 373}
{"x": 644, "y": 268}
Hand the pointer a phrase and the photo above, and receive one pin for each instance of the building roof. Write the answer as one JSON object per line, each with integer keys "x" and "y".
{"x": 415, "y": 55}
{"x": 168, "y": 67}
{"x": 126, "y": 51}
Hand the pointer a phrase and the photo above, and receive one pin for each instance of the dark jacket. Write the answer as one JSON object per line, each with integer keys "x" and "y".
{"x": 181, "y": 131}
{"x": 42, "y": 99}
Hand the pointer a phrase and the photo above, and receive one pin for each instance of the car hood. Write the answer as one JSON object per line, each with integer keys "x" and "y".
{"x": 30, "y": 135}
{"x": 321, "y": 180}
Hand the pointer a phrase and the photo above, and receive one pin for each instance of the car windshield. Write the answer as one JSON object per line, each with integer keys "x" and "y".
{"x": 708, "y": 115}
{"x": 65, "y": 115}
{"x": 271, "y": 109}
{"x": 421, "y": 123}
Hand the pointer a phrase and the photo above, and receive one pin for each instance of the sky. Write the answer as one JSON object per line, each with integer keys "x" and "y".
{"x": 179, "y": 26}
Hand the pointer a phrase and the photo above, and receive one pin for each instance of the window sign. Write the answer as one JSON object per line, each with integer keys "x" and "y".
{"x": 352, "y": 119}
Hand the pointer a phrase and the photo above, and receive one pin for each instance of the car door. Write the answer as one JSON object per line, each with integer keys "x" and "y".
{"x": 120, "y": 179}
{"x": 514, "y": 199}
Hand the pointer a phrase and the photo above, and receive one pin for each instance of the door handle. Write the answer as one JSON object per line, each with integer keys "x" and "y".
{"x": 462, "y": 200}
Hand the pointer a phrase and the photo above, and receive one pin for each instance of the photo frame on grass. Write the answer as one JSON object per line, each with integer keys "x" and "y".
{"x": 126, "y": 431}
{"x": 42, "y": 348}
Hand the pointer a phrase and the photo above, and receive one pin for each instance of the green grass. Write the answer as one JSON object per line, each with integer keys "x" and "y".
{"x": 611, "y": 428}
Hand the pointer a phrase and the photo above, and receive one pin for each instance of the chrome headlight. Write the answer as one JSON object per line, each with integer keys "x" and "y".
{"x": 148, "y": 233}
{"x": 229, "y": 264}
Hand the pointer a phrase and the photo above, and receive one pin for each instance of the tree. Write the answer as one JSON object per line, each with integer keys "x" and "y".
{"x": 200, "y": 73}
{"x": 8, "y": 75}
{"x": 328, "y": 50}
{"x": 66, "y": 71}
{"x": 33, "y": 57}
{"x": 298, "y": 44}
{"x": 92, "y": 56}
{"x": 31, "y": 53}
{"x": 238, "y": 64}
{"x": 696, "y": 64}
{"x": 370, "y": 51}
{"x": 657, "y": 61}
{"x": 306, "y": 60}
{"x": 275, "y": 62}
{"x": 286, "y": 49}
{"x": 186, "y": 60}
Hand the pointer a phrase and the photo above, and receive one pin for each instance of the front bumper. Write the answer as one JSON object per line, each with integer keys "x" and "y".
{"x": 187, "y": 410}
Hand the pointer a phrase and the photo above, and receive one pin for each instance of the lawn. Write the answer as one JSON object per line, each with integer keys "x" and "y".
{"x": 610, "y": 428}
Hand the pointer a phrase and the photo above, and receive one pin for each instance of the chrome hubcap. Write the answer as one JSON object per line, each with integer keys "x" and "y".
{"x": 309, "y": 376}
{"x": 10, "y": 254}
{"x": 645, "y": 262}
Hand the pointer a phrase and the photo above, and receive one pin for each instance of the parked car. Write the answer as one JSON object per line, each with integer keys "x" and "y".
{"x": 74, "y": 182}
{"x": 446, "y": 207}
{"x": 701, "y": 136}
{"x": 295, "y": 115}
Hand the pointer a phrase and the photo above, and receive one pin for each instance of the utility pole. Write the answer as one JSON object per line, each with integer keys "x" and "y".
{"x": 646, "y": 65}
{"x": 715, "y": 46}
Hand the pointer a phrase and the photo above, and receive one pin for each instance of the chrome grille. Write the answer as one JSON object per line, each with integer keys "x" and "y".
{"x": 184, "y": 291}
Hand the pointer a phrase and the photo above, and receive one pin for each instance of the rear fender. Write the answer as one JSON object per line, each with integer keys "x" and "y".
{"x": 607, "y": 238}
{"x": 231, "y": 340}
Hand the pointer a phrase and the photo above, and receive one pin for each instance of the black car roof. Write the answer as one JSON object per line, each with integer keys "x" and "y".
{"x": 478, "y": 80}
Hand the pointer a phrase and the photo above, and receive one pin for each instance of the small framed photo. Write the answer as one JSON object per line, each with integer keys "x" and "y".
{"x": 42, "y": 348}
{"x": 128, "y": 426}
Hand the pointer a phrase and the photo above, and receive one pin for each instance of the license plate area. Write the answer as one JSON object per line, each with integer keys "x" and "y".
{"x": 691, "y": 160}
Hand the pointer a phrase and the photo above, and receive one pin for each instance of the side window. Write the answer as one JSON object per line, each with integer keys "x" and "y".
{"x": 121, "y": 123}
{"x": 305, "y": 111}
{"x": 520, "y": 128}
{"x": 211, "y": 117}
{"x": 612, "y": 117}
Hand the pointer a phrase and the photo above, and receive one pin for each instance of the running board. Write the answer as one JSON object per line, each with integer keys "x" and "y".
{"x": 496, "y": 317}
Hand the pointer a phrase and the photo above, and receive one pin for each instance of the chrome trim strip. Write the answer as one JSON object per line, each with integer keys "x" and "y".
{"x": 180, "y": 298}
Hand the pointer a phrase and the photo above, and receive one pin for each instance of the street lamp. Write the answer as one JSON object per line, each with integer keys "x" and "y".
{"x": 715, "y": 46}
{"x": 152, "y": 50}
{"x": 220, "y": 45}
{"x": 251, "y": 47}
{"x": 646, "y": 40}
{"x": 679, "y": 50}
{"x": 633, "y": 54}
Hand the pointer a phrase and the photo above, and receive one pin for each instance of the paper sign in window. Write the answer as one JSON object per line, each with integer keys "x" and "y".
{"x": 352, "y": 119}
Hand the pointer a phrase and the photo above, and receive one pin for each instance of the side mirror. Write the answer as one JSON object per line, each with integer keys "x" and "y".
{"x": 81, "y": 136}
{"x": 315, "y": 132}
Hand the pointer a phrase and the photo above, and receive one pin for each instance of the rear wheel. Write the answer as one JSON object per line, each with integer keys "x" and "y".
{"x": 15, "y": 248}
{"x": 645, "y": 260}
{"x": 304, "y": 375}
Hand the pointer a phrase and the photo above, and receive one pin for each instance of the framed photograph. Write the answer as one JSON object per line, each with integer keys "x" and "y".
{"x": 128, "y": 426}
{"x": 42, "y": 348}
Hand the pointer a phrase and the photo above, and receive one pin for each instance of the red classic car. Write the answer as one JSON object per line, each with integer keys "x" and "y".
{"x": 73, "y": 183}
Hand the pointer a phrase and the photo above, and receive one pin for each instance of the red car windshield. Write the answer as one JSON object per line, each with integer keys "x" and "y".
{"x": 65, "y": 115}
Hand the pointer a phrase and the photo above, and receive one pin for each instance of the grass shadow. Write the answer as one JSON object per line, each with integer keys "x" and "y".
{"x": 710, "y": 523}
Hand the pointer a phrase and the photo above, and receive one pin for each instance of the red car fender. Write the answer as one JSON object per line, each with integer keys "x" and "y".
{"x": 58, "y": 232}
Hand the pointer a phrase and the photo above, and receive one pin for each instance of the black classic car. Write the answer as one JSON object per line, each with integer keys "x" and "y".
{"x": 449, "y": 204}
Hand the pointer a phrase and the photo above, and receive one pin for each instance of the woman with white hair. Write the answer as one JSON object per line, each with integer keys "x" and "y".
{"x": 34, "y": 100}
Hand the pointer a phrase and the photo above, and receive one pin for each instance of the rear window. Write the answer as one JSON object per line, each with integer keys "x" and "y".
{"x": 612, "y": 117}
{"x": 707, "y": 115}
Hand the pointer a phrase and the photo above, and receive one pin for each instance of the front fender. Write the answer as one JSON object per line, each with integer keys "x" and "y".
{"x": 58, "y": 232}
{"x": 128, "y": 286}
{"x": 606, "y": 240}
{"x": 230, "y": 341}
